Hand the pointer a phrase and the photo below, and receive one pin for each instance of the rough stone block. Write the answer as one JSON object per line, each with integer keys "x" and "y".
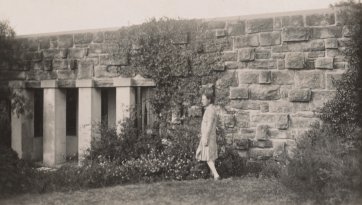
{"x": 282, "y": 122}
{"x": 325, "y": 19}
{"x": 302, "y": 122}
{"x": 55, "y": 53}
{"x": 294, "y": 60}
{"x": 116, "y": 60}
{"x": 290, "y": 147}
{"x": 85, "y": 69}
{"x": 279, "y": 134}
{"x": 331, "y": 79}
{"x": 246, "y": 54}
{"x": 334, "y": 52}
{"x": 319, "y": 98}
{"x": 259, "y": 25}
{"x": 263, "y": 64}
{"x": 265, "y": 118}
{"x": 262, "y": 53}
{"x": 242, "y": 119}
{"x": 229, "y": 56}
{"x": 111, "y": 36}
{"x": 345, "y": 42}
{"x": 270, "y": 38}
{"x": 48, "y": 64}
{"x": 300, "y": 95}
{"x": 77, "y": 52}
{"x": 61, "y": 64}
{"x": 317, "y": 45}
{"x": 347, "y": 30}
{"x": 340, "y": 65}
{"x": 331, "y": 43}
{"x": 239, "y": 93}
{"x": 261, "y": 153}
{"x": 264, "y": 92}
{"x": 83, "y": 38}
{"x": 34, "y": 56}
{"x": 228, "y": 120}
{"x": 251, "y": 40}
{"x": 324, "y": 63}
{"x": 44, "y": 42}
{"x": 66, "y": 74}
{"x": 295, "y": 34}
{"x": 292, "y": 21}
{"x": 278, "y": 55}
{"x": 248, "y": 76}
{"x": 279, "y": 147}
{"x": 65, "y": 41}
{"x": 241, "y": 144}
{"x": 246, "y": 133}
{"x": 195, "y": 111}
{"x": 98, "y": 37}
{"x": 236, "y": 28}
{"x": 316, "y": 54}
{"x": 95, "y": 49}
{"x": 264, "y": 107}
{"x": 261, "y": 143}
{"x": 245, "y": 104}
{"x": 216, "y": 24}
{"x": 265, "y": 77}
{"x": 310, "y": 79}
{"x": 327, "y": 32}
{"x": 262, "y": 132}
{"x": 219, "y": 33}
{"x": 106, "y": 71}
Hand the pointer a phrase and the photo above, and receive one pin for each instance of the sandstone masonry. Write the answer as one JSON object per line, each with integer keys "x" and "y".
{"x": 278, "y": 71}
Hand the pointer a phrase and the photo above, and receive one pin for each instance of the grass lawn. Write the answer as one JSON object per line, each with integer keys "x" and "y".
{"x": 241, "y": 191}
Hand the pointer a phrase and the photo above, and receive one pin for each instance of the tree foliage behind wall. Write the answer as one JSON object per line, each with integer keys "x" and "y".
{"x": 7, "y": 58}
{"x": 178, "y": 56}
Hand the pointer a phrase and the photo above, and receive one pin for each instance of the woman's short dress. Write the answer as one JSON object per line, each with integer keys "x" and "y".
{"x": 208, "y": 132}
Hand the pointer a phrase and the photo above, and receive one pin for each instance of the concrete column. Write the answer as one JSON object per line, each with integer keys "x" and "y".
{"x": 22, "y": 124}
{"x": 54, "y": 127}
{"x": 89, "y": 115}
{"x": 125, "y": 100}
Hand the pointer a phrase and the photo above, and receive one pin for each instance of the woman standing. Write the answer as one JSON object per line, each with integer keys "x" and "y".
{"x": 207, "y": 149}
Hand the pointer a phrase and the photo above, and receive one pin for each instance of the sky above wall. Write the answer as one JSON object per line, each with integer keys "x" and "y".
{"x": 46, "y": 16}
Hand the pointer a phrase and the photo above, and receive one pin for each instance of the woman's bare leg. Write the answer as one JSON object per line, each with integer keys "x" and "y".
{"x": 213, "y": 169}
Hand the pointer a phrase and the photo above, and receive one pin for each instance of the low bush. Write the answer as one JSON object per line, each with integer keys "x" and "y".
{"x": 324, "y": 166}
{"x": 15, "y": 175}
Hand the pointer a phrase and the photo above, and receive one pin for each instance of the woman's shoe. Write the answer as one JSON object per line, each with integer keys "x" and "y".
{"x": 217, "y": 178}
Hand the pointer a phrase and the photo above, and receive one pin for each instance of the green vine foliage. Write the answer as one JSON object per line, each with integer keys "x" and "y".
{"x": 345, "y": 111}
{"x": 178, "y": 55}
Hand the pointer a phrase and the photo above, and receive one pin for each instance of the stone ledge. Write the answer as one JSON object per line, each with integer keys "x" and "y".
{"x": 17, "y": 84}
{"x": 87, "y": 83}
{"x": 49, "y": 84}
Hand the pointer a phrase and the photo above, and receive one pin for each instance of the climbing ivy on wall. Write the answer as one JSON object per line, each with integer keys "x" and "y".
{"x": 345, "y": 111}
{"x": 178, "y": 55}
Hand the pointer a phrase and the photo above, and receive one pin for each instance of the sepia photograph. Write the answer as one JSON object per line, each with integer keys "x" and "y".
{"x": 170, "y": 102}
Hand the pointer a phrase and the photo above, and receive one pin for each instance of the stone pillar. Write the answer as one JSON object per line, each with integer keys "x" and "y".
{"x": 125, "y": 100}
{"x": 89, "y": 115}
{"x": 54, "y": 127}
{"x": 22, "y": 124}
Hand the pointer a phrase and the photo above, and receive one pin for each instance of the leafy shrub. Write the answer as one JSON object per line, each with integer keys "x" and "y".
{"x": 15, "y": 174}
{"x": 323, "y": 165}
{"x": 127, "y": 145}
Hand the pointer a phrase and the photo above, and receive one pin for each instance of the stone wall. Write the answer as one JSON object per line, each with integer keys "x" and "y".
{"x": 278, "y": 71}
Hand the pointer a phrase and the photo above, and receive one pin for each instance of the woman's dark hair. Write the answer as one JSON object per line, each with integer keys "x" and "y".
{"x": 209, "y": 95}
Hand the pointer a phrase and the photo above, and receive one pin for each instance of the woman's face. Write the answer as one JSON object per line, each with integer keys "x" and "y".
{"x": 205, "y": 101}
